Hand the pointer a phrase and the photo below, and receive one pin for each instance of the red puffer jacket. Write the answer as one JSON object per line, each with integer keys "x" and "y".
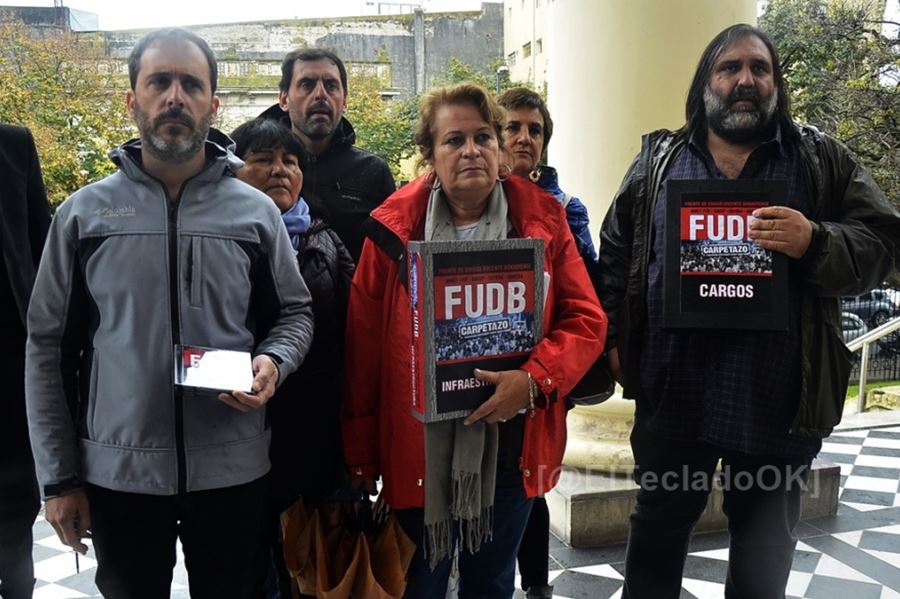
{"x": 381, "y": 436}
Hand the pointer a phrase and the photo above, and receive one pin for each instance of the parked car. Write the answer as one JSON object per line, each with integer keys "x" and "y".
{"x": 875, "y": 307}
{"x": 890, "y": 294}
{"x": 852, "y": 326}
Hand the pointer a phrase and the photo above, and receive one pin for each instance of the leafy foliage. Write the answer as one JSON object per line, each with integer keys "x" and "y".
{"x": 459, "y": 72}
{"x": 843, "y": 72}
{"x": 387, "y": 128}
{"x": 53, "y": 86}
{"x": 382, "y": 127}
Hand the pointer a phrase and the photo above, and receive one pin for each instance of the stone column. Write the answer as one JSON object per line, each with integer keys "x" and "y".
{"x": 617, "y": 69}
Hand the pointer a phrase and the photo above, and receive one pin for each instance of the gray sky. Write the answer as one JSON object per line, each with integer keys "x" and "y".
{"x": 131, "y": 14}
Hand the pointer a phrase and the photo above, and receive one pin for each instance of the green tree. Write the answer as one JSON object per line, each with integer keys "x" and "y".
{"x": 387, "y": 128}
{"x": 53, "y": 86}
{"x": 459, "y": 72}
{"x": 382, "y": 127}
{"x": 843, "y": 72}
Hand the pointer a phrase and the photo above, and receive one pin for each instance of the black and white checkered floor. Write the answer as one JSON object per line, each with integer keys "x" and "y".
{"x": 854, "y": 554}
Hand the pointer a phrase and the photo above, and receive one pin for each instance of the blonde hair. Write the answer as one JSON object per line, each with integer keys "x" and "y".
{"x": 466, "y": 94}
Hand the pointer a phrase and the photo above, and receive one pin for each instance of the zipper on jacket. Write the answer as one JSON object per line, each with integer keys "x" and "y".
{"x": 181, "y": 458}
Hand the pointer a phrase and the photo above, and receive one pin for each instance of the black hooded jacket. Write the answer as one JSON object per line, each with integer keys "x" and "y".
{"x": 343, "y": 184}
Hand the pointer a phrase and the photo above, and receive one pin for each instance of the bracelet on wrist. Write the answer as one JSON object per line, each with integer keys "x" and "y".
{"x": 531, "y": 390}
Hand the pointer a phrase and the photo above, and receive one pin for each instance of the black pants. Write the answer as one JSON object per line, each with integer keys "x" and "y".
{"x": 761, "y": 500}
{"x": 534, "y": 551}
{"x": 134, "y": 537}
{"x": 19, "y": 497}
{"x": 16, "y": 567}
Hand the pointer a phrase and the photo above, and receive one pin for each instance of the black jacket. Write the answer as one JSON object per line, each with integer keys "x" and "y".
{"x": 24, "y": 221}
{"x": 343, "y": 184}
{"x": 24, "y": 212}
{"x": 306, "y": 451}
{"x": 855, "y": 245}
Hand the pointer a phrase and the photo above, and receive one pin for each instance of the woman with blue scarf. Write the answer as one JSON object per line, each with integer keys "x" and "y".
{"x": 306, "y": 455}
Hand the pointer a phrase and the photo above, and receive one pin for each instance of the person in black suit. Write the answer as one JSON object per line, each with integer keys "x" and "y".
{"x": 24, "y": 220}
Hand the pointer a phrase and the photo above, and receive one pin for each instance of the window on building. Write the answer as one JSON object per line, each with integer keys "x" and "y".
{"x": 538, "y": 46}
{"x": 511, "y": 58}
{"x": 526, "y": 50}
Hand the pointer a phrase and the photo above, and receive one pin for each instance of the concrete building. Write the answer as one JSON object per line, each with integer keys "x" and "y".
{"x": 410, "y": 52}
{"x": 44, "y": 20}
{"x": 524, "y": 40}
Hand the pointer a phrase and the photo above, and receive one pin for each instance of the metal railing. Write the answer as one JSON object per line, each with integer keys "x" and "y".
{"x": 863, "y": 343}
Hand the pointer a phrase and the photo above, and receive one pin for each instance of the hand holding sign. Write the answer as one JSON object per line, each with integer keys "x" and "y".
{"x": 716, "y": 274}
{"x": 781, "y": 229}
{"x": 510, "y": 396}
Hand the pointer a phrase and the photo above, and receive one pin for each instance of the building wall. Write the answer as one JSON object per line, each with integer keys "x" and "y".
{"x": 40, "y": 20}
{"x": 51, "y": 19}
{"x": 524, "y": 40}
{"x": 619, "y": 69}
{"x": 250, "y": 54}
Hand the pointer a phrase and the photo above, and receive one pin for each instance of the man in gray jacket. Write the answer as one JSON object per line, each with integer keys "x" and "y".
{"x": 171, "y": 249}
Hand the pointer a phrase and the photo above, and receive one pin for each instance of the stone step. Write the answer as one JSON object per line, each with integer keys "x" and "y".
{"x": 590, "y": 509}
{"x": 886, "y": 398}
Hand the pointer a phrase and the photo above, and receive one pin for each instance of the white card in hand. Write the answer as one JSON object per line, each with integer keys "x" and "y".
{"x": 216, "y": 369}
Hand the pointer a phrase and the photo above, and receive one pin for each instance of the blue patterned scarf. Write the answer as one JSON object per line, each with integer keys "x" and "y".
{"x": 297, "y": 220}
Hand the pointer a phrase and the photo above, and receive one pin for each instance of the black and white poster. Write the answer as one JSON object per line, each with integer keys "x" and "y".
{"x": 475, "y": 304}
{"x": 715, "y": 276}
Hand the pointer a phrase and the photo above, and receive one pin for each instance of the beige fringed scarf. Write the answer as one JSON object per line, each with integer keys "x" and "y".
{"x": 460, "y": 461}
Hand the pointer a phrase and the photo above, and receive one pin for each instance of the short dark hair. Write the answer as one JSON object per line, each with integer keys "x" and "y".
{"x": 173, "y": 34}
{"x": 266, "y": 134}
{"x": 308, "y": 55}
{"x": 522, "y": 97}
{"x": 462, "y": 94}
{"x": 695, "y": 109}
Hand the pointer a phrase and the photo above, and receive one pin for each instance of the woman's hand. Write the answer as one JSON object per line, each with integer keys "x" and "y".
{"x": 510, "y": 396}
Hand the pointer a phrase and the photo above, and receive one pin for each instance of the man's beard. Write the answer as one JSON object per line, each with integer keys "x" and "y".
{"x": 173, "y": 151}
{"x": 316, "y": 130}
{"x": 740, "y": 126}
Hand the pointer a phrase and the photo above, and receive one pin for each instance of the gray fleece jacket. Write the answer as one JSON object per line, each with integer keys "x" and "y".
{"x": 126, "y": 275}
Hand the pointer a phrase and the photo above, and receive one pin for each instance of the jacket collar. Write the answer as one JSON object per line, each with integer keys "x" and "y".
{"x": 343, "y": 138}
{"x": 774, "y": 140}
{"x": 401, "y": 218}
{"x": 530, "y": 210}
{"x": 549, "y": 180}
{"x": 220, "y": 159}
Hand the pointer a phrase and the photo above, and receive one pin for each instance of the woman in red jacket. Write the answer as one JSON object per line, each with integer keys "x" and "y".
{"x": 475, "y": 480}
